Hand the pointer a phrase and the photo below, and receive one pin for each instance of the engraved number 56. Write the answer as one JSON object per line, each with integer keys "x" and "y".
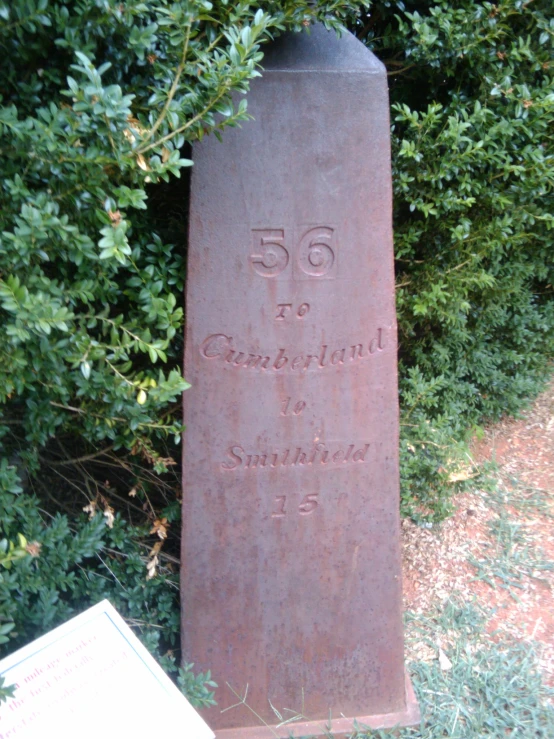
{"x": 315, "y": 255}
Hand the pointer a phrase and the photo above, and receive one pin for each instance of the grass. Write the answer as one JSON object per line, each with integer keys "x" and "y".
{"x": 494, "y": 688}
{"x": 522, "y": 497}
{"x": 513, "y": 556}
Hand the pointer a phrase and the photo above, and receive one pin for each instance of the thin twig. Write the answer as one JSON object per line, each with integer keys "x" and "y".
{"x": 400, "y": 71}
{"x": 190, "y": 123}
{"x": 173, "y": 89}
{"x": 84, "y": 458}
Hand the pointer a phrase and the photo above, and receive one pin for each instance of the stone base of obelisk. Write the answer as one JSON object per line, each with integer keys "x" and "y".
{"x": 337, "y": 727}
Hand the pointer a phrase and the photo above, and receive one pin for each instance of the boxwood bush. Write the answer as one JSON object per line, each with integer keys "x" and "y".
{"x": 99, "y": 102}
{"x": 472, "y": 92}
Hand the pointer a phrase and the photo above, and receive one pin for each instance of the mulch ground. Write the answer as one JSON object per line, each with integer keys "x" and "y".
{"x": 439, "y": 563}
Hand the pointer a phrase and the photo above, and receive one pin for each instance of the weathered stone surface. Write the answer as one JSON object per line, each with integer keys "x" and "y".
{"x": 291, "y": 567}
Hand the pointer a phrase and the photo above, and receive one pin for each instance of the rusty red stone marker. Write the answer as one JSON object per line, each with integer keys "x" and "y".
{"x": 291, "y": 568}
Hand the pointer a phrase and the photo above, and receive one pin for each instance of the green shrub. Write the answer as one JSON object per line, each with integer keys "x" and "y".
{"x": 472, "y": 93}
{"x": 69, "y": 563}
{"x": 99, "y": 101}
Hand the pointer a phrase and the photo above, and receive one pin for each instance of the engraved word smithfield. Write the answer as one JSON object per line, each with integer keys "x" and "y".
{"x": 318, "y": 454}
{"x": 220, "y": 346}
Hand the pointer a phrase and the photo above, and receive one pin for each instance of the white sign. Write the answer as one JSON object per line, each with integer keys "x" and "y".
{"x": 92, "y": 678}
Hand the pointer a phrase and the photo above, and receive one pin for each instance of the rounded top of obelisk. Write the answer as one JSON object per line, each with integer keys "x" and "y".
{"x": 320, "y": 49}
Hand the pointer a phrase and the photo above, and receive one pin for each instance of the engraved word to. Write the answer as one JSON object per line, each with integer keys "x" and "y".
{"x": 308, "y": 505}
{"x": 287, "y": 409}
{"x": 315, "y": 254}
{"x": 284, "y": 308}
{"x": 318, "y": 455}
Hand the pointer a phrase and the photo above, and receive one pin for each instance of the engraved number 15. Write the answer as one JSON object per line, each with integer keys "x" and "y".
{"x": 308, "y": 505}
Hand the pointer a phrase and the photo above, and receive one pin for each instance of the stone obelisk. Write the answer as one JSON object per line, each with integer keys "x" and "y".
{"x": 291, "y": 581}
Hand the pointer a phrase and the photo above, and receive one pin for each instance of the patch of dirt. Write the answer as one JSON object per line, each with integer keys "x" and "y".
{"x": 516, "y": 574}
